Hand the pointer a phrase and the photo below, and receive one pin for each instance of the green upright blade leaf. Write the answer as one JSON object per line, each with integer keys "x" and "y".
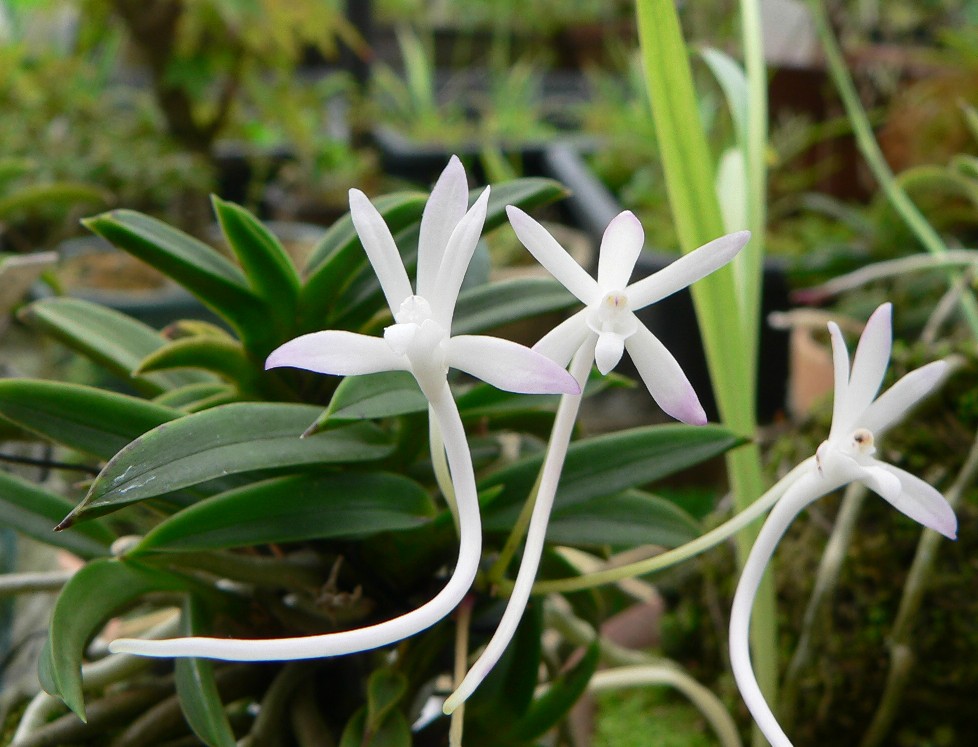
{"x": 268, "y": 266}
{"x": 89, "y": 599}
{"x": 109, "y": 338}
{"x": 91, "y": 420}
{"x": 605, "y": 465}
{"x": 34, "y": 511}
{"x": 197, "y": 267}
{"x": 345, "y": 505}
{"x": 226, "y": 440}
{"x": 488, "y": 306}
{"x": 196, "y": 687}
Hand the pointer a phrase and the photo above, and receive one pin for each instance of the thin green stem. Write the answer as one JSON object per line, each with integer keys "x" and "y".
{"x": 898, "y": 197}
{"x": 673, "y": 557}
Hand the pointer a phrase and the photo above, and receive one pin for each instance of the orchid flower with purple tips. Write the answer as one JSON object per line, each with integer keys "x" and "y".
{"x": 848, "y": 455}
{"x": 600, "y": 333}
{"x": 420, "y": 342}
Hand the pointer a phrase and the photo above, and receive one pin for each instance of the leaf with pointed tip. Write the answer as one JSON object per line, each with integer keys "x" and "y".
{"x": 226, "y": 358}
{"x": 196, "y": 686}
{"x": 226, "y": 440}
{"x": 87, "y": 419}
{"x": 96, "y": 592}
{"x": 607, "y": 464}
{"x": 385, "y": 689}
{"x": 217, "y": 282}
{"x": 489, "y": 306}
{"x": 343, "y": 505}
{"x": 267, "y": 265}
{"x": 109, "y": 338}
{"x": 33, "y": 511}
{"x": 380, "y": 395}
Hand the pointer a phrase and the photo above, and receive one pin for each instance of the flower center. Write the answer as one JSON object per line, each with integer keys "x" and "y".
{"x": 613, "y": 314}
{"x": 419, "y": 337}
{"x": 862, "y": 441}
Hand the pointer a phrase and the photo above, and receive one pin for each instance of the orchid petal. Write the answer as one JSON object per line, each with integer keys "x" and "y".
{"x": 381, "y": 249}
{"x": 686, "y": 270}
{"x": 336, "y": 352}
{"x": 664, "y": 377}
{"x": 870, "y": 362}
{"x": 509, "y": 366}
{"x": 608, "y": 351}
{"x": 560, "y": 343}
{"x": 896, "y": 401}
{"x": 442, "y": 213}
{"x": 841, "y": 418}
{"x": 621, "y": 244}
{"x": 456, "y": 260}
{"x": 922, "y": 503}
{"x": 552, "y": 255}
{"x": 880, "y": 480}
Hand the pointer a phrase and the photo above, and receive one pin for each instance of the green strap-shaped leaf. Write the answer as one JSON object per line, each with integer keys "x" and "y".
{"x": 34, "y": 511}
{"x": 380, "y": 395}
{"x": 224, "y": 357}
{"x": 91, "y": 597}
{"x": 226, "y": 440}
{"x": 625, "y": 519}
{"x": 268, "y": 266}
{"x": 607, "y": 464}
{"x": 91, "y": 420}
{"x": 218, "y": 283}
{"x": 43, "y": 195}
{"x": 345, "y": 505}
{"x": 109, "y": 338}
{"x": 385, "y": 689}
{"x": 190, "y": 397}
{"x": 547, "y": 710}
{"x": 196, "y": 687}
{"x": 488, "y": 306}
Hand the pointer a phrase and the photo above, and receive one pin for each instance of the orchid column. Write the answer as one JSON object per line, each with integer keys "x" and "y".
{"x": 858, "y": 420}
{"x": 599, "y": 333}
{"x": 419, "y": 341}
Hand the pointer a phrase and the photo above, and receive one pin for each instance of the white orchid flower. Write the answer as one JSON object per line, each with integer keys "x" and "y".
{"x": 848, "y": 455}
{"x": 600, "y": 333}
{"x": 419, "y": 341}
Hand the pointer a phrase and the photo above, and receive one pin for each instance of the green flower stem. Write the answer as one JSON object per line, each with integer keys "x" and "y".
{"x": 870, "y": 149}
{"x": 668, "y": 559}
{"x": 916, "y": 586}
{"x": 636, "y": 669}
{"x": 825, "y": 582}
{"x": 721, "y": 305}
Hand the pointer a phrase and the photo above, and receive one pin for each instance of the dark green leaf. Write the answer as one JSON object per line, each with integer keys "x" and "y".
{"x": 34, "y": 511}
{"x": 393, "y": 732}
{"x": 545, "y": 712}
{"x": 486, "y": 307}
{"x": 108, "y": 337}
{"x": 385, "y": 689}
{"x": 96, "y": 592}
{"x": 607, "y": 464}
{"x": 290, "y": 509}
{"x": 227, "y": 440}
{"x": 226, "y": 358}
{"x": 268, "y": 266}
{"x": 189, "y": 397}
{"x": 625, "y": 519}
{"x": 380, "y": 395}
{"x": 84, "y": 418}
{"x": 196, "y": 687}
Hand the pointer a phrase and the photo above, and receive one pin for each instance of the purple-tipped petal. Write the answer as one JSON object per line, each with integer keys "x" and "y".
{"x": 381, "y": 249}
{"x": 560, "y": 343}
{"x": 620, "y": 246}
{"x": 509, "y": 366}
{"x": 664, "y": 377}
{"x": 444, "y": 209}
{"x": 922, "y": 503}
{"x": 842, "y": 419}
{"x": 552, "y": 255}
{"x": 870, "y": 361}
{"x": 896, "y": 401}
{"x": 458, "y": 254}
{"x": 336, "y": 352}
{"x": 686, "y": 270}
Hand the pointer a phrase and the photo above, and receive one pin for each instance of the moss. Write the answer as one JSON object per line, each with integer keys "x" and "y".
{"x": 638, "y": 718}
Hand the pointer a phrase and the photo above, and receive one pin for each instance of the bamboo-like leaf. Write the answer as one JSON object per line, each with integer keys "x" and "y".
{"x": 109, "y": 338}
{"x": 33, "y": 511}
{"x": 196, "y": 687}
{"x": 88, "y": 600}
{"x": 226, "y": 440}
{"x": 91, "y": 420}
{"x": 343, "y": 505}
